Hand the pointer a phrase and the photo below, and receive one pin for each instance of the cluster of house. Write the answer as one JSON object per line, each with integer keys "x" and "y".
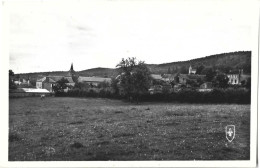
{"x": 20, "y": 81}
{"x": 179, "y": 81}
{"x": 48, "y": 82}
{"x": 184, "y": 79}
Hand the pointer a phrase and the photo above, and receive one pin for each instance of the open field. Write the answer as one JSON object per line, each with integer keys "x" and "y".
{"x": 103, "y": 129}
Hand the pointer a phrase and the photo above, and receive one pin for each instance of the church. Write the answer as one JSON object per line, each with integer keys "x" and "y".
{"x": 192, "y": 71}
{"x": 48, "y": 82}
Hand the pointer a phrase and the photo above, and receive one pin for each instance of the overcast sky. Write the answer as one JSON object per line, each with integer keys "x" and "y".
{"x": 50, "y": 35}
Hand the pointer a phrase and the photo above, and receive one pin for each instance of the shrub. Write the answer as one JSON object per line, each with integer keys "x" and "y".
{"x": 239, "y": 96}
{"x": 230, "y": 95}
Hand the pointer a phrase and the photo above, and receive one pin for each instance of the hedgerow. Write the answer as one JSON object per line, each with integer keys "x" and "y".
{"x": 230, "y": 95}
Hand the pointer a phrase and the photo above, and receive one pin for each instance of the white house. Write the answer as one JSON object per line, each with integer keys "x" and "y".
{"x": 192, "y": 71}
{"x": 237, "y": 78}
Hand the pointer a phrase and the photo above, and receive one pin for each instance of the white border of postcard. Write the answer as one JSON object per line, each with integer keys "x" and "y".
{"x": 4, "y": 112}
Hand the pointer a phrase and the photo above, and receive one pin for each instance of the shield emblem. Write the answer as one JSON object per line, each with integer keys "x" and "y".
{"x": 230, "y": 132}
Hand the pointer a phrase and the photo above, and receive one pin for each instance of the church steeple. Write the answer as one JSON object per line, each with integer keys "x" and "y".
{"x": 71, "y": 67}
{"x": 190, "y": 69}
{"x": 71, "y": 72}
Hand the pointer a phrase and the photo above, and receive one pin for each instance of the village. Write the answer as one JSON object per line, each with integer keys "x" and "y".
{"x": 160, "y": 82}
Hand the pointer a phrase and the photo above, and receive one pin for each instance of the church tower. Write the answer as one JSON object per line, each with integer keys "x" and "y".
{"x": 190, "y": 68}
{"x": 71, "y": 71}
{"x": 71, "y": 67}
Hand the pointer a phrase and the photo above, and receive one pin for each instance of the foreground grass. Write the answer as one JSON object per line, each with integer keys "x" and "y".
{"x": 102, "y": 129}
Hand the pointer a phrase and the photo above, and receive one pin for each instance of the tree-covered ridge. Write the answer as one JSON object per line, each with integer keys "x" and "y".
{"x": 222, "y": 62}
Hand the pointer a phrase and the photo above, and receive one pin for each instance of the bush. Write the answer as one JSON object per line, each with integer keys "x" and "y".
{"x": 230, "y": 95}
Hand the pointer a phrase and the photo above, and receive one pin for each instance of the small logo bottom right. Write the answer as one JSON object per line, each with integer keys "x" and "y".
{"x": 230, "y": 132}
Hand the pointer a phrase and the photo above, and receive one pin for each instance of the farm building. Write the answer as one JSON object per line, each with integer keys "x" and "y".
{"x": 28, "y": 92}
{"x": 33, "y": 90}
{"x": 93, "y": 80}
{"x": 160, "y": 88}
{"x": 156, "y": 89}
{"x": 169, "y": 77}
{"x": 178, "y": 87}
{"x": 17, "y": 81}
{"x": 156, "y": 77}
{"x": 163, "y": 77}
{"x": 244, "y": 77}
{"x": 206, "y": 87}
{"x": 184, "y": 78}
{"x": 49, "y": 82}
{"x": 21, "y": 81}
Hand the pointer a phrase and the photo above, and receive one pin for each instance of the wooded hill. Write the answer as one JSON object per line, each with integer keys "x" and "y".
{"x": 223, "y": 62}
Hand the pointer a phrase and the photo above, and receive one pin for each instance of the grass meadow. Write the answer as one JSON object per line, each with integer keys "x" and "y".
{"x": 75, "y": 129}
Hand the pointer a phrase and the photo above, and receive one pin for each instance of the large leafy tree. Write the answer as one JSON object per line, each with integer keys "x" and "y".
{"x": 169, "y": 71}
{"x": 80, "y": 85}
{"x": 114, "y": 85}
{"x": 11, "y": 73}
{"x": 60, "y": 85}
{"x": 183, "y": 70}
{"x": 221, "y": 81}
{"x": 135, "y": 78}
{"x": 11, "y": 83}
{"x": 248, "y": 83}
{"x": 104, "y": 84}
{"x": 199, "y": 69}
{"x": 210, "y": 74}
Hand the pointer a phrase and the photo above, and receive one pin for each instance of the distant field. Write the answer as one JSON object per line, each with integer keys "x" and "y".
{"x": 103, "y": 129}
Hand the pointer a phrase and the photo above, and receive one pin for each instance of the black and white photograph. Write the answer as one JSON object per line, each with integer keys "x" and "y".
{"x": 147, "y": 83}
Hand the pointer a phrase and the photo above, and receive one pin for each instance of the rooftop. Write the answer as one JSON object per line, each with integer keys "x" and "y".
{"x": 54, "y": 79}
{"x": 93, "y": 79}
